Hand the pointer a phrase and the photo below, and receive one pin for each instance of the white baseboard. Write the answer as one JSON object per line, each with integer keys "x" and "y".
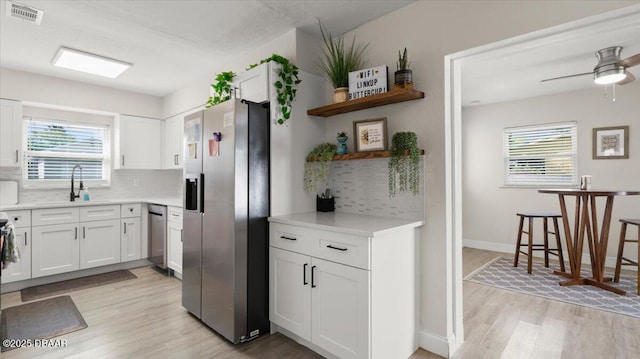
{"x": 434, "y": 343}
{"x": 510, "y": 249}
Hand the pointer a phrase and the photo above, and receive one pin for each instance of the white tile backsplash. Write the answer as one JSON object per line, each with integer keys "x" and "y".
{"x": 153, "y": 183}
{"x": 361, "y": 186}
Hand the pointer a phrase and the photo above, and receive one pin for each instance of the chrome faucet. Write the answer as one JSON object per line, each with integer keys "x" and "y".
{"x": 73, "y": 194}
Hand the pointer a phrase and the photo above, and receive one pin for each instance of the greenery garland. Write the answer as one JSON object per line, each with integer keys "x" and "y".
{"x": 286, "y": 86}
{"x": 404, "y": 170}
{"x": 318, "y": 165}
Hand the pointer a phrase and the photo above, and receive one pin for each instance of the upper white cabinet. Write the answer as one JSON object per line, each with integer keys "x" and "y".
{"x": 11, "y": 130}
{"x": 172, "y": 151}
{"x": 138, "y": 142}
{"x": 253, "y": 85}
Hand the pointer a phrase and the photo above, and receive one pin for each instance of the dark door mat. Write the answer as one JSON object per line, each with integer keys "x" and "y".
{"x": 45, "y": 319}
{"x": 49, "y": 290}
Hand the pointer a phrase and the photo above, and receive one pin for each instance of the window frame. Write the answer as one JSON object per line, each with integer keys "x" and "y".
{"x": 539, "y": 181}
{"x": 106, "y": 155}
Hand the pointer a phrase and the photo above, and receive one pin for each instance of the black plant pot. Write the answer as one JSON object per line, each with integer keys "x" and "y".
{"x": 403, "y": 76}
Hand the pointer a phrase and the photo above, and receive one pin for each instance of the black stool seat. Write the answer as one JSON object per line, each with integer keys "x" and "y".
{"x": 621, "y": 260}
{"x": 538, "y": 247}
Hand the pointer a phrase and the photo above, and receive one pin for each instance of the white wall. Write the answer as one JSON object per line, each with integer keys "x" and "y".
{"x": 483, "y": 171}
{"x": 430, "y": 30}
{"x": 26, "y": 86}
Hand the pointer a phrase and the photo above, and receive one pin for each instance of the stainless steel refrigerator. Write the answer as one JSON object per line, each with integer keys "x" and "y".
{"x": 225, "y": 237}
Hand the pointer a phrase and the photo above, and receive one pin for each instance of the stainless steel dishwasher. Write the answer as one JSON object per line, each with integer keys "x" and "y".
{"x": 158, "y": 235}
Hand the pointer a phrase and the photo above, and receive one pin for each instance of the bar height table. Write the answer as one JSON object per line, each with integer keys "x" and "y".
{"x": 586, "y": 222}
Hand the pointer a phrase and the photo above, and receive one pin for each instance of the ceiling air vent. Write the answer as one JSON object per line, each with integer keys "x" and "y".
{"x": 24, "y": 12}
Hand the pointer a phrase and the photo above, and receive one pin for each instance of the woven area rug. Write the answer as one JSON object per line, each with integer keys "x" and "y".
{"x": 542, "y": 282}
{"x": 49, "y": 290}
{"x": 45, "y": 319}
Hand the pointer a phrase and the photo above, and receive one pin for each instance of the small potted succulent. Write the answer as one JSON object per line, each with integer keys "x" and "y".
{"x": 342, "y": 143}
{"x": 403, "y": 75}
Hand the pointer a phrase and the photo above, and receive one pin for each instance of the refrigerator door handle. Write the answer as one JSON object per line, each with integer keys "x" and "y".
{"x": 201, "y": 194}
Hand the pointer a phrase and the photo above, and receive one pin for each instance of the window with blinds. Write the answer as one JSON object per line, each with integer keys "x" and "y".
{"x": 544, "y": 155}
{"x": 53, "y": 148}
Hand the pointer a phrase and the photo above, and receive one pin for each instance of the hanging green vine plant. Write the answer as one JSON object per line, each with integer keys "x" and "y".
{"x": 221, "y": 88}
{"x": 286, "y": 86}
{"x": 317, "y": 166}
{"x": 404, "y": 164}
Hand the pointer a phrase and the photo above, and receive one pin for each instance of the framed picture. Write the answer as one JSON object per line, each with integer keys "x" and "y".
{"x": 370, "y": 135}
{"x": 611, "y": 142}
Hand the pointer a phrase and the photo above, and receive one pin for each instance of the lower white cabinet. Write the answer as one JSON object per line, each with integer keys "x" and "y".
{"x": 100, "y": 243}
{"x": 56, "y": 249}
{"x": 22, "y": 269}
{"x": 174, "y": 239}
{"x": 131, "y": 241}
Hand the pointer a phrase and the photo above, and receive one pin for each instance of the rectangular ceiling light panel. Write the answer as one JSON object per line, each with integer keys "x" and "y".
{"x": 89, "y": 63}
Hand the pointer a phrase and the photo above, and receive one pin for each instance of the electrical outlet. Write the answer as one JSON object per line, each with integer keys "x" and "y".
{"x": 136, "y": 182}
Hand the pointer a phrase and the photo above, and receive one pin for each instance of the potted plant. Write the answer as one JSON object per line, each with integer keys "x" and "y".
{"x": 404, "y": 164}
{"x": 317, "y": 166}
{"x": 338, "y": 61}
{"x": 403, "y": 75}
{"x": 342, "y": 143}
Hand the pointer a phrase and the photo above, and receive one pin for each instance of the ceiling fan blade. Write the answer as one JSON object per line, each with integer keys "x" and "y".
{"x": 630, "y": 61}
{"x": 628, "y": 79}
{"x": 566, "y": 77}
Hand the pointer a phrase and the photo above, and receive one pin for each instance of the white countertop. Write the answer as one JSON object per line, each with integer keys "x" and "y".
{"x": 351, "y": 223}
{"x": 172, "y": 201}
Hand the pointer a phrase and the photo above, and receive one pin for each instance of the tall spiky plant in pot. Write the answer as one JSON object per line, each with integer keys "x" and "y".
{"x": 338, "y": 60}
{"x": 403, "y": 75}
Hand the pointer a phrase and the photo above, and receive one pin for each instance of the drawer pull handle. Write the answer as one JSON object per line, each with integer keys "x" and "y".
{"x": 289, "y": 238}
{"x": 304, "y": 274}
{"x": 313, "y": 282}
{"x": 175, "y": 214}
{"x": 337, "y": 248}
{"x": 76, "y": 234}
{"x": 25, "y": 239}
{"x": 125, "y": 227}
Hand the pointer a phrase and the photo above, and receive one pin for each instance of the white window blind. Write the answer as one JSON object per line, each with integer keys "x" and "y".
{"x": 544, "y": 155}
{"x": 54, "y": 147}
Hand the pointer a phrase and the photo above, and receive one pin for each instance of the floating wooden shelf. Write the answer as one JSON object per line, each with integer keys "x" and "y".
{"x": 364, "y": 155}
{"x": 386, "y": 98}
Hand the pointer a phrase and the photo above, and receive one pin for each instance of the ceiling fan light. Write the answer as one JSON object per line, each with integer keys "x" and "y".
{"x": 609, "y": 76}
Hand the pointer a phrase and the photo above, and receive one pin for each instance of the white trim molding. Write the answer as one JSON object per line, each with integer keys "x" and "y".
{"x": 434, "y": 343}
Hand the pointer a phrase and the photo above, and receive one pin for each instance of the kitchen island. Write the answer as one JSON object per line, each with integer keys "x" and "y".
{"x": 345, "y": 284}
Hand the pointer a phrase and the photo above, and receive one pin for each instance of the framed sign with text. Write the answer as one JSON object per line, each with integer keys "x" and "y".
{"x": 367, "y": 82}
{"x": 370, "y": 135}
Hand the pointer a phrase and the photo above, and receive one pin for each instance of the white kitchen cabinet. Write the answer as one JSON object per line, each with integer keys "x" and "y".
{"x": 131, "y": 242}
{"x": 11, "y": 130}
{"x": 172, "y": 149}
{"x": 99, "y": 243}
{"x": 253, "y": 85}
{"x": 20, "y": 270}
{"x": 174, "y": 239}
{"x": 344, "y": 284}
{"x": 138, "y": 142}
{"x": 55, "y": 249}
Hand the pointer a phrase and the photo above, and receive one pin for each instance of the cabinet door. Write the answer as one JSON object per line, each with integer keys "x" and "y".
{"x": 174, "y": 239}
{"x": 138, "y": 143}
{"x": 172, "y": 151}
{"x": 99, "y": 243}
{"x": 55, "y": 249}
{"x": 290, "y": 291}
{"x": 253, "y": 85}
{"x": 20, "y": 270}
{"x": 340, "y": 309}
{"x": 131, "y": 243}
{"x": 11, "y": 130}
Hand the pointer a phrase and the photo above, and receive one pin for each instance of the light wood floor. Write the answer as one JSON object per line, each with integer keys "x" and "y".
{"x": 143, "y": 318}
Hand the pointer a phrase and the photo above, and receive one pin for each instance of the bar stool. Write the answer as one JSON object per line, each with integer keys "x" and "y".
{"x": 539, "y": 247}
{"x": 621, "y": 260}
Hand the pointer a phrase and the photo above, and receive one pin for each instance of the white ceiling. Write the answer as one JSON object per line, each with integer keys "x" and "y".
{"x": 516, "y": 73}
{"x": 170, "y": 42}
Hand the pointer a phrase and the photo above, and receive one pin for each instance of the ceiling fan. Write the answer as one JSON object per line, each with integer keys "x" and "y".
{"x": 610, "y": 69}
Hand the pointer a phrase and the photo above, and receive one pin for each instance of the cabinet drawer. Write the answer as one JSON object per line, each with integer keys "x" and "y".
{"x": 175, "y": 214}
{"x": 50, "y": 216}
{"x": 20, "y": 218}
{"x": 99, "y": 213}
{"x": 292, "y": 238}
{"x": 342, "y": 248}
{"x": 130, "y": 210}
